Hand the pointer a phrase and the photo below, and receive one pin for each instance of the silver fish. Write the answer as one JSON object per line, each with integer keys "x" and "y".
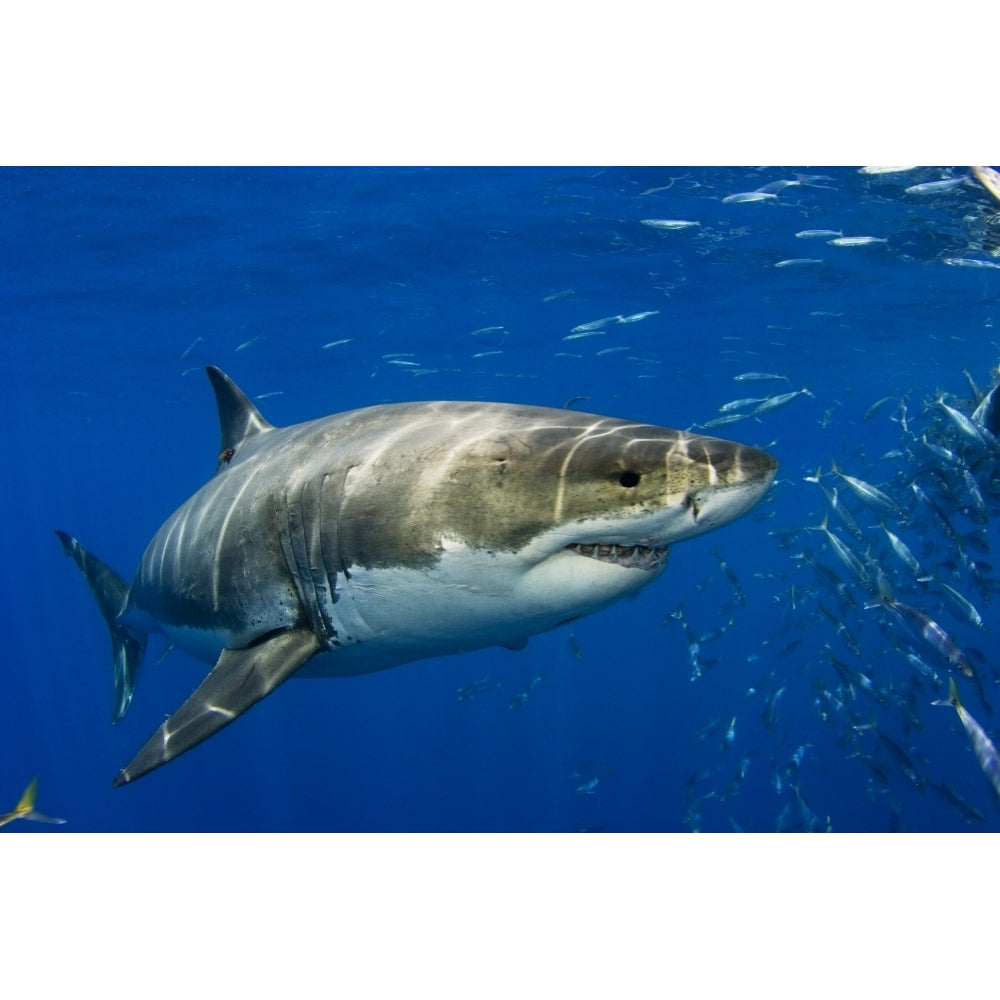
{"x": 965, "y": 607}
{"x": 879, "y": 171}
{"x": 986, "y": 752}
{"x": 870, "y": 494}
{"x": 740, "y": 404}
{"x": 759, "y": 377}
{"x": 728, "y": 418}
{"x": 774, "y": 402}
{"x": 962, "y": 422}
{"x": 856, "y": 241}
{"x": 903, "y": 551}
{"x": 670, "y": 224}
{"x": 595, "y": 324}
{"x": 936, "y": 187}
{"x": 875, "y": 407}
{"x": 970, "y": 262}
{"x": 748, "y": 196}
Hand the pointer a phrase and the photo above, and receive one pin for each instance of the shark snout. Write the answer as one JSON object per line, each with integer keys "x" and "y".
{"x": 737, "y": 477}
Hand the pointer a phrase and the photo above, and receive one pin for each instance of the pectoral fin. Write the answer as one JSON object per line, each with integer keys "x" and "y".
{"x": 239, "y": 679}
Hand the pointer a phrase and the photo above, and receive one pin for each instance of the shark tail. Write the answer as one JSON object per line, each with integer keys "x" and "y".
{"x": 128, "y": 646}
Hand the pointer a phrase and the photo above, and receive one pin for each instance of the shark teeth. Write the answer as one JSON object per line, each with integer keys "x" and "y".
{"x": 629, "y": 556}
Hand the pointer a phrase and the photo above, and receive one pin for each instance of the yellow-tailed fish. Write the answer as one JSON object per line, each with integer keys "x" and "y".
{"x": 25, "y": 809}
{"x": 986, "y": 752}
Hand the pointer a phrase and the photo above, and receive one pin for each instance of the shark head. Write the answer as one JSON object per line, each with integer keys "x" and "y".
{"x": 549, "y": 514}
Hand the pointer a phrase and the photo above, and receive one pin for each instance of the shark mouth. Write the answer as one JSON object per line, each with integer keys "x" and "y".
{"x": 629, "y": 556}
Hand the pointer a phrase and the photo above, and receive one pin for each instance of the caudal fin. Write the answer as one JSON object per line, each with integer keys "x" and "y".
{"x": 952, "y": 700}
{"x": 111, "y": 593}
{"x": 25, "y": 809}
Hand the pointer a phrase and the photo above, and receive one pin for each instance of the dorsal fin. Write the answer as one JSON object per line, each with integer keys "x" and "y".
{"x": 239, "y": 418}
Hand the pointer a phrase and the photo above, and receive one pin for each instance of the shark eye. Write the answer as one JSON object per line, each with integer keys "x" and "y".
{"x": 629, "y": 479}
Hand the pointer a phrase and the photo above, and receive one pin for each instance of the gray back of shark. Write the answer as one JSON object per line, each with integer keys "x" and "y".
{"x": 371, "y": 538}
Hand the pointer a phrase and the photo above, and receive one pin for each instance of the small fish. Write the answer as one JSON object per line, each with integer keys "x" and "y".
{"x": 635, "y": 317}
{"x": 879, "y": 171}
{"x": 197, "y": 340}
{"x": 799, "y": 262}
{"x": 477, "y": 687}
{"x": 869, "y": 494}
{"x": 946, "y": 455}
{"x": 770, "y": 714}
{"x": 970, "y": 262}
{"x": 744, "y": 197}
{"x": 942, "y": 518}
{"x": 978, "y": 501}
{"x": 486, "y": 354}
{"x": 612, "y": 350}
{"x": 595, "y": 324}
{"x": 796, "y": 762}
{"x": 875, "y": 407}
{"x": 584, "y": 333}
{"x": 740, "y": 404}
{"x": 903, "y": 551}
{"x": 336, "y": 343}
{"x": 986, "y": 752}
{"x": 522, "y": 696}
{"x": 856, "y": 241}
{"x": 847, "y": 557}
{"x": 965, "y": 606}
{"x": 902, "y": 759}
{"x": 250, "y": 342}
{"x": 931, "y": 632}
{"x": 924, "y": 668}
{"x": 936, "y": 187}
{"x": 556, "y": 296}
{"x": 774, "y": 187}
{"x": 670, "y": 224}
{"x": 819, "y": 234}
{"x": 733, "y": 580}
{"x": 774, "y": 402}
{"x": 728, "y": 418}
{"x": 842, "y": 512}
{"x": 845, "y": 634}
{"x": 268, "y": 395}
{"x": 487, "y": 329}
{"x": 25, "y": 809}
{"x": 729, "y": 735}
{"x": 759, "y": 377}
{"x": 962, "y": 422}
{"x": 968, "y": 812}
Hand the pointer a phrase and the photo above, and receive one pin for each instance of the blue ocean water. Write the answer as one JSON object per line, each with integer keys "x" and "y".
{"x": 320, "y": 290}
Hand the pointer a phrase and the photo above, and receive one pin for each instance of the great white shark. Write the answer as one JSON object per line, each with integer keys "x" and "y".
{"x": 367, "y": 539}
